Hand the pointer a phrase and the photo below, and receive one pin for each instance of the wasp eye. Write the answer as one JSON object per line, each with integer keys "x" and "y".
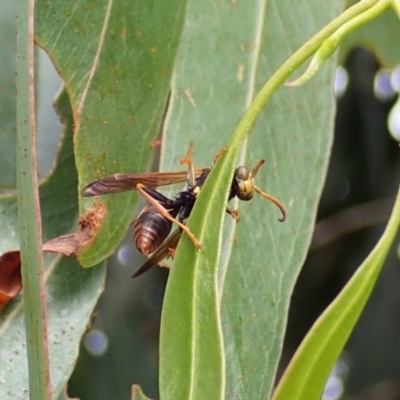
{"x": 242, "y": 173}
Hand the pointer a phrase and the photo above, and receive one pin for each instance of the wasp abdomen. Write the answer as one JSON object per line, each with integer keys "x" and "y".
{"x": 150, "y": 230}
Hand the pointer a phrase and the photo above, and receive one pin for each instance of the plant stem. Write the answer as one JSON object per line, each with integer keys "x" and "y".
{"x": 298, "y": 58}
{"x": 29, "y": 210}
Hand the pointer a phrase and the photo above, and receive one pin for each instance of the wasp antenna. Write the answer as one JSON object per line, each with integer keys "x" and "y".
{"x": 256, "y": 168}
{"x": 274, "y": 200}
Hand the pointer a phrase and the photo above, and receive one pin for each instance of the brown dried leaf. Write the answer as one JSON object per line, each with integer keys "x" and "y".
{"x": 10, "y": 262}
{"x": 74, "y": 242}
{"x": 10, "y": 276}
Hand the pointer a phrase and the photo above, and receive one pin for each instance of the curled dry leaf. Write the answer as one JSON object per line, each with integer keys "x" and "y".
{"x": 10, "y": 276}
{"x": 67, "y": 245}
{"x": 72, "y": 243}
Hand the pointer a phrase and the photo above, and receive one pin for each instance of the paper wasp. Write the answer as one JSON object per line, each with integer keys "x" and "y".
{"x": 152, "y": 227}
{"x": 155, "y": 221}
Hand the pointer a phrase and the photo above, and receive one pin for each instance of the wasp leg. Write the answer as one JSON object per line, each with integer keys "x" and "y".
{"x": 233, "y": 213}
{"x": 141, "y": 189}
{"x": 171, "y": 252}
{"x": 187, "y": 160}
{"x": 222, "y": 151}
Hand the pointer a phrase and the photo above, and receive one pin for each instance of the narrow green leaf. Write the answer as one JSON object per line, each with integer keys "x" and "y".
{"x": 195, "y": 351}
{"x": 29, "y": 217}
{"x": 306, "y": 375}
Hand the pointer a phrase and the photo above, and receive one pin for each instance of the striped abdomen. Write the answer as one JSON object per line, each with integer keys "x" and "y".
{"x": 150, "y": 230}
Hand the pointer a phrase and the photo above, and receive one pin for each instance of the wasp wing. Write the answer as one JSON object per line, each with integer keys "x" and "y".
{"x": 125, "y": 182}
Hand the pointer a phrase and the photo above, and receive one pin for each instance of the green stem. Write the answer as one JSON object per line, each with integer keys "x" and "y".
{"x": 361, "y": 19}
{"x": 29, "y": 210}
{"x": 298, "y": 58}
{"x": 329, "y": 46}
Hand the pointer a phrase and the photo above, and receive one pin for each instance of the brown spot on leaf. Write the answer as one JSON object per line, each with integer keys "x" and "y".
{"x": 156, "y": 144}
{"x": 189, "y": 96}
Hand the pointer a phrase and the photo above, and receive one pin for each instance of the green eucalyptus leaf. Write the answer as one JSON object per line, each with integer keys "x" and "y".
{"x": 245, "y": 276}
{"x": 307, "y": 373}
{"x": 116, "y": 60}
